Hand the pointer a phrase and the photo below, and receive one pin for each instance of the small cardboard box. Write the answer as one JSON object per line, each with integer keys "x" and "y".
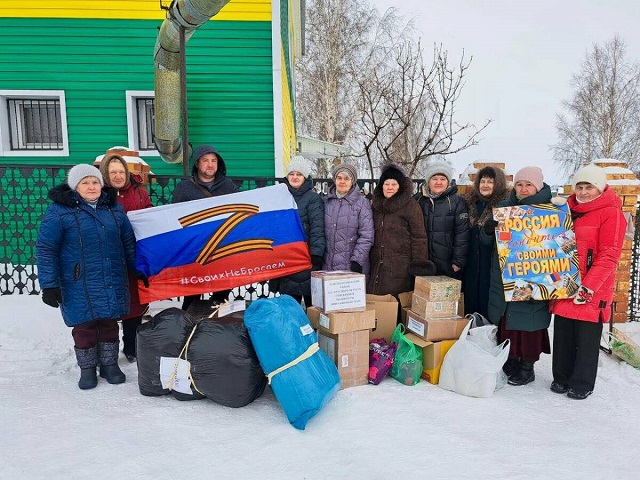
{"x": 342, "y": 322}
{"x": 350, "y": 353}
{"x": 386, "y": 308}
{"x": 435, "y": 329}
{"x": 338, "y": 291}
{"x": 438, "y": 288}
{"x": 432, "y": 356}
{"x": 431, "y": 309}
{"x": 405, "y": 302}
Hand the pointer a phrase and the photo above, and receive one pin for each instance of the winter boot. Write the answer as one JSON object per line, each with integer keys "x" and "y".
{"x": 109, "y": 368}
{"x": 87, "y": 361}
{"x": 511, "y": 367}
{"x": 525, "y": 374}
{"x": 578, "y": 394}
{"x": 557, "y": 387}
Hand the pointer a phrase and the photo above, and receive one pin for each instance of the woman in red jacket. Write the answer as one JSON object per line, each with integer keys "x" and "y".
{"x": 131, "y": 196}
{"x": 599, "y": 226}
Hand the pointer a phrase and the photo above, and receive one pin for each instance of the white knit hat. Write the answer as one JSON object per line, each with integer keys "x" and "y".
{"x": 78, "y": 172}
{"x": 592, "y": 174}
{"x": 438, "y": 168}
{"x": 299, "y": 164}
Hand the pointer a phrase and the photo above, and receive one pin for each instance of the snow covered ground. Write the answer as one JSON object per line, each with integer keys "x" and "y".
{"x": 51, "y": 429}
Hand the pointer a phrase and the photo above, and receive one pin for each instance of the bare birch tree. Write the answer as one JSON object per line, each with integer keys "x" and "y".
{"x": 408, "y": 109}
{"x": 363, "y": 82}
{"x": 602, "y": 118}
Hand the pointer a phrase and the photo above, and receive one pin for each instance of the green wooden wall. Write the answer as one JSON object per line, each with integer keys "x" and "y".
{"x": 230, "y": 84}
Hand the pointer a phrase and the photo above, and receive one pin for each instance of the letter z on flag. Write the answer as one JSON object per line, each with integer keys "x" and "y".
{"x": 219, "y": 243}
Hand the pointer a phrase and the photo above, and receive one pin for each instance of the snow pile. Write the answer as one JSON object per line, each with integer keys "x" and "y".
{"x": 51, "y": 429}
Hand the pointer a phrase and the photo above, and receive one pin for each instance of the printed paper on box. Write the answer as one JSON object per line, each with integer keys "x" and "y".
{"x": 415, "y": 326}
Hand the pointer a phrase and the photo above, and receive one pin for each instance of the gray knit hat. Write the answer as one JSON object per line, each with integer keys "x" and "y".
{"x": 346, "y": 168}
{"x": 438, "y": 168}
{"x": 78, "y": 172}
{"x": 299, "y": 164}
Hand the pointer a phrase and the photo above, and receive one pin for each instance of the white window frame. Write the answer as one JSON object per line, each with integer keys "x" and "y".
{"x": 5, "y": 131}
{"x": 132, "y": 119}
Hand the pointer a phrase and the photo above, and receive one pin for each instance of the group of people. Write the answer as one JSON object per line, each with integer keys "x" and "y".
{"x": 86, "y": 251}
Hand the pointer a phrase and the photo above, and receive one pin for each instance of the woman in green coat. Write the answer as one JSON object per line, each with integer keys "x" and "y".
{"x": 524, "y": 323}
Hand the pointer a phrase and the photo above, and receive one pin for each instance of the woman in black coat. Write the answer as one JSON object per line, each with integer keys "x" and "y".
{"x": 311, "y": 210}
{"x": 489, "y": 189}
{"x": 446, "y": 220}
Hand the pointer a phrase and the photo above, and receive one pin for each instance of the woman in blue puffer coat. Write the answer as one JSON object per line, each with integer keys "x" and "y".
{"x": 348, "y": 223}
{"x": 84, "y": 247}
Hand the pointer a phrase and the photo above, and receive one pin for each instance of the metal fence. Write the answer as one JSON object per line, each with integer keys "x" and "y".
{"x": 23, "y": 200}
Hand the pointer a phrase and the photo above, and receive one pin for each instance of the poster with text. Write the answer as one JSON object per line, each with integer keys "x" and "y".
{"x": 537, "y": 252}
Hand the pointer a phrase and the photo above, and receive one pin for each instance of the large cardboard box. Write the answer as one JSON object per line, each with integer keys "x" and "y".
{"x": 350, "y": 353}
{"x": 435, "y": 329}
{"x": 386, "y": 308}
{"x": 342, "y": 322}
{"x": 338, "y": 291}
{"x": 433, "y": 309}
{"x": 432, "y": 356}
{"x": 405, "y": 302}
{"x": 438, "y": 288}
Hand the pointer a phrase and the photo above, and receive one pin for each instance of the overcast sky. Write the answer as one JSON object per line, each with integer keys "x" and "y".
{"x": 524, "y": 54}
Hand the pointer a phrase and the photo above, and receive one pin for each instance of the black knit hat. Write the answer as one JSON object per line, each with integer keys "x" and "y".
{"x": 394, "y": 173}
{"x": 488, "y": 172}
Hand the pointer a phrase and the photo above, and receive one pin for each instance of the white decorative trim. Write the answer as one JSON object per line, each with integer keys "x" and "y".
{"x": 5, "y": 142}
{"x": 132, "y": 131}
{"x": 276, "y": 47}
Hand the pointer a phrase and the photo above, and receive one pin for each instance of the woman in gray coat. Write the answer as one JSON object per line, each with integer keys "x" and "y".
{"x": 348, "y": 223}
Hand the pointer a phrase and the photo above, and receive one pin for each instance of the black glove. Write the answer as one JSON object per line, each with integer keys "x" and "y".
{"x": 356, "y": 267}
{"x": 52, "y": 296}
{"x": 490, "y": 227}
{"x": 274, "y": 285}
{"x": 422, "y": 269}
{"x": 144, "y": 278}
{"x": 316, "y": 260}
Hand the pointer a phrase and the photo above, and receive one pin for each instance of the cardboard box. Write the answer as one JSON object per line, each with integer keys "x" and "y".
{"x": 432, "y": 356}
{"x": 438, "y": 309}
{"x": 386, "y": 308}
{"x": 438, "y": 288}
{"x": 338, "y": 291}
{"x": 461, "y": 306}
{"x": 435, "y": 329}
{"x": 405, "y": 302}
{"x": 342, "y": 322}
{"x": 350, "y": 353}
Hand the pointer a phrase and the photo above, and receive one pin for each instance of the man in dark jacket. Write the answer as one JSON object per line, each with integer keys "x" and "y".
{"x": 208, "y": 179}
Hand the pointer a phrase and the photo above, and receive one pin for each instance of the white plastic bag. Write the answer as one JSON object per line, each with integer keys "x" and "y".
{"x": 469, "y": 369}
{"x": 485, "y": 337}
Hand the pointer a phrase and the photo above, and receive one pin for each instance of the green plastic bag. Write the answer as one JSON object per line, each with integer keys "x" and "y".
{"x": 407, "y": 364}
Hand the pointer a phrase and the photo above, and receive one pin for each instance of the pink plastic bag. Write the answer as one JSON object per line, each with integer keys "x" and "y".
{"x": 381, "y": 357}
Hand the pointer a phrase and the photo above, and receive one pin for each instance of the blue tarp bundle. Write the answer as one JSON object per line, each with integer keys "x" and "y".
{"x": 281, "y": 333}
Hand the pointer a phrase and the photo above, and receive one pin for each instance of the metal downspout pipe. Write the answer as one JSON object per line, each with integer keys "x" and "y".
{"x": 190, "y": 14}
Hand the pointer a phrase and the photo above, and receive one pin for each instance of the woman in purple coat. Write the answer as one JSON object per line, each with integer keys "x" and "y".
{"x": 348, "y": 223}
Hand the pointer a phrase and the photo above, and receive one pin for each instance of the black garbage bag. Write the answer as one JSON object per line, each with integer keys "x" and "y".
{"x": 163, "y": 336}
{"x": 224, "y": 365}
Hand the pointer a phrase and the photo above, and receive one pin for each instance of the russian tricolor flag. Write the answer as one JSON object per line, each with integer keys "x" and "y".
{"x": 219, "y": 243}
